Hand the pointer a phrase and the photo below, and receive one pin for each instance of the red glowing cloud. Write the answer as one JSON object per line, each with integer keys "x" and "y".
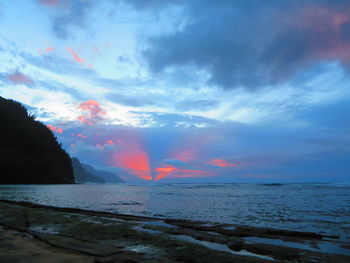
{"x": 93, "y": 110}
{"x": 164, "y": 171}
{"x": 81, "y": 135}
{"x": 46, "y": 50}
{"x": 131, "y": 155}
{"x": 221, "y": 163}
{"x": 55, "y": 129}
{"x": 136, "y": 162}
{"x": 175, "y": 172}
{"x": 20, "y": 78}
{"x": 75, "y": 56}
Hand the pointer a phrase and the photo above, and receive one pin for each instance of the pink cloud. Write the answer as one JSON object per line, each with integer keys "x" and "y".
{"x": 55, "y": 129}
{"x": 221, "y": 163}
{"x": 164, "y": 171}
{"x": 93, "y": 110}
{"x": 75, "y": 56}
{"x": 175, "y": 172}
{"x": 81, "y": 135}
{"x": 50, "y": 3}
{"x": 131, "y": 156}
{"x": 135, "y": 161}
{"x": 20, "y": 78}
{"x": 45, "y": 50}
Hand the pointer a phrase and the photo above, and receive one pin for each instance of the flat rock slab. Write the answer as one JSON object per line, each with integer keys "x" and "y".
{"x": 37, "y": 233}
{"x": 17, "y": 247}
{"x": 85, "y": 247}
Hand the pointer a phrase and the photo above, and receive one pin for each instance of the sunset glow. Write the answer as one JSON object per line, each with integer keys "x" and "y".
{"x": 55, "y": 129}
{"x": 136, "y": 162}
{"x": 94, "y": 112}
{"x": 75, "y": 56}
{"x": 174, "y": 172}
{"x": 221, "y": 163}
{"x": 186, "y": 91}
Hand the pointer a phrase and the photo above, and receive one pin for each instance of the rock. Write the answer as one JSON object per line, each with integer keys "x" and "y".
{"x": 236, "y": 245}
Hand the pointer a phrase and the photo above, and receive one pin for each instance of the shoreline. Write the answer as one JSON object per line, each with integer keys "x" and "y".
{"x": 97, "y": 236}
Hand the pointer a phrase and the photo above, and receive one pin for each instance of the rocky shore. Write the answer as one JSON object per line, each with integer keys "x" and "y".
{"x": 37, "y": 233}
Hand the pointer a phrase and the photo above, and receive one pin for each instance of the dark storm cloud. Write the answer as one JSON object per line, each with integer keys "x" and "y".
{"x": 252, "y": 44}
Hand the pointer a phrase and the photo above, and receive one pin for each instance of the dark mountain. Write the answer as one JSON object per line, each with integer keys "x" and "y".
{"x": 82, "y": 176}
{"x": 29, "y": 151}
{"x": 108, "y": 177}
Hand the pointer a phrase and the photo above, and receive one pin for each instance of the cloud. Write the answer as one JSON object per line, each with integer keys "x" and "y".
{"x": 94, "y": 112}
{"x": 249, "y": 44}
{"x": 174, "y": 162}
{"x": 165, "y": 119}
{"x": 220, "y": 152}
{"x": 70, "y": 14}
{"x": 133, "y": 101}
{"x": 20, "y": 78}
{"x": 330, "y": 115}
{"x": 174, "y": 172}
{"x": 45, "y": 50}
{"x": 75, "y": 56}
{"x": 132, "y": 156}
{"x": 150, "y": 4}
{"x": 54, "y": 128}
{"x": 221, "y": 163}
{"x": 201, "y": 105}
{"x": 80, "y": 135}
{"x": 50, "y": 3}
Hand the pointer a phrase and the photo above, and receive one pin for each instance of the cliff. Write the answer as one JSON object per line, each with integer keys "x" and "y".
{"x": 82, "y": 176}
{"x": 29, "y": 151}
{"x": 108, "y": 177}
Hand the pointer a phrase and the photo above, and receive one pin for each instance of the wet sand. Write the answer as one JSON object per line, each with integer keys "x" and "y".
{"x": 37, "y": 233}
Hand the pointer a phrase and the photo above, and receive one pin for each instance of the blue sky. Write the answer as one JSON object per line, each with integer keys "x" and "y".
{"x": 187, "y": 91}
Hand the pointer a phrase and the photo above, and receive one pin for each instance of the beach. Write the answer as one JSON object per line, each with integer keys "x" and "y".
{"x": 39, "y": 233}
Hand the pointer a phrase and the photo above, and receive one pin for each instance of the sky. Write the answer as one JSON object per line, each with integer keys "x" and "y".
{"x": 187, "y": 91}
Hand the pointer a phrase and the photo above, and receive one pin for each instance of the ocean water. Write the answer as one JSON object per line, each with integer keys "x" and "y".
{"x": 321, "y": 208}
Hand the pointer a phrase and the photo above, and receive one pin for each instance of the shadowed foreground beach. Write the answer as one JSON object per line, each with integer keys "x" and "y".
{"x": 37, "y": 233}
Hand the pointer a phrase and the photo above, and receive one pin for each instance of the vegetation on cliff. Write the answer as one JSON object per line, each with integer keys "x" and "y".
{"x": 29, "y": 151}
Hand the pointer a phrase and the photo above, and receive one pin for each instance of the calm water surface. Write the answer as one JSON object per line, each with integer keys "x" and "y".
{"x": 323, "y": 208}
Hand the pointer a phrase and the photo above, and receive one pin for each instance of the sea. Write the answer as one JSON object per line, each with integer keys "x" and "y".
{"x": 320, "y": 208}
